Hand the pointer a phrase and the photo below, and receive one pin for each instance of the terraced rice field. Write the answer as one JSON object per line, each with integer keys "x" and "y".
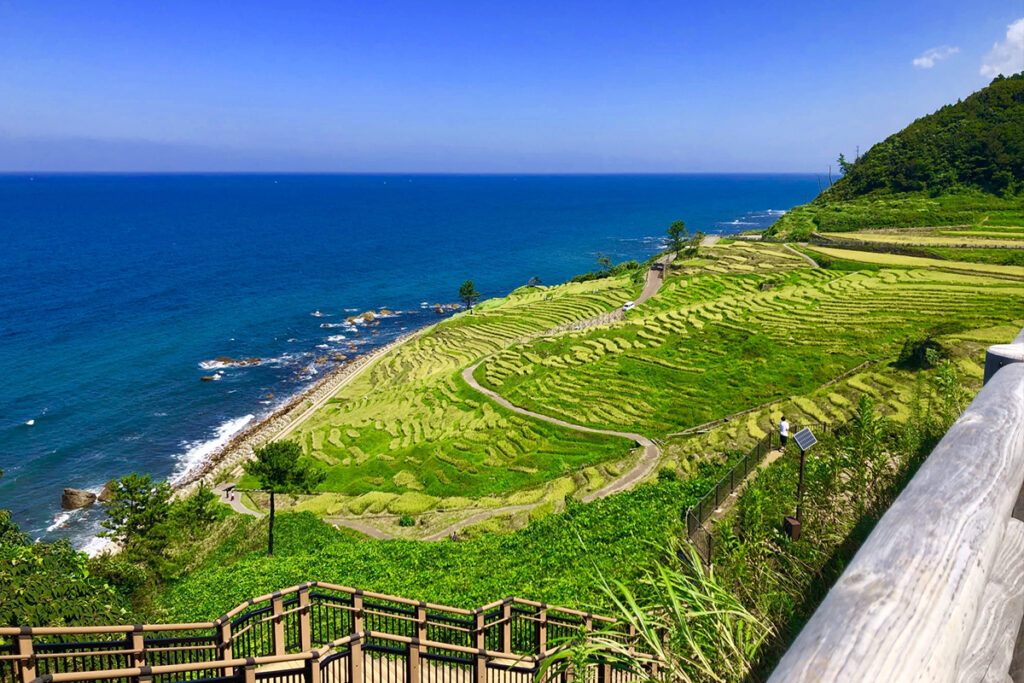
{"x": 409, "y": 435}
{"x": 937, "y": 238}
{"x": 900, "y": 261}
{"x": 747, "y": 330}
{"x": 715, "y": 342}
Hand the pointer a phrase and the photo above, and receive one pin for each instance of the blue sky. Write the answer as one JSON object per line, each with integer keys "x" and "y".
{"x": 413, "y": 86}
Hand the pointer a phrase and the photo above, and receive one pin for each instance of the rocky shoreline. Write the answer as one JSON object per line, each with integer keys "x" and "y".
{"x": 240, "y": 447}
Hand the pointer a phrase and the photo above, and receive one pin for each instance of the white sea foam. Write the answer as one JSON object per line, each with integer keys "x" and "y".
{"x": 95, "y": 545}
{"x": 213, "y": 365}
{"x": 336, "y": 338}
{"x": 199, "y": 451}
{"x": 323, "y": 346}
{"x": 30, "y": 422}
{"x": 61, "y": 519}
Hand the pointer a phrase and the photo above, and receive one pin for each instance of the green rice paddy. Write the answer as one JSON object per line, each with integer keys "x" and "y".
{"x": 746, "y": 330}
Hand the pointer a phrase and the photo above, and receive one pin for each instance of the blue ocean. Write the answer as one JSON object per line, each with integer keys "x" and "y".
{"x": 119, "y": 292}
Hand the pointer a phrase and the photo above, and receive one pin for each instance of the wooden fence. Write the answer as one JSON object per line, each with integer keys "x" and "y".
{"x": 936, "y": 593}
{"x": 315, "y": 633}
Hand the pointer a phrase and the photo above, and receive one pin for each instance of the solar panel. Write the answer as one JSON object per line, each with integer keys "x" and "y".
{"x": 804, "y": 439}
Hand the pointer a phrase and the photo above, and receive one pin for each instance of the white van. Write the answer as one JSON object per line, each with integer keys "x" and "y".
{"x": 628, "y": 305}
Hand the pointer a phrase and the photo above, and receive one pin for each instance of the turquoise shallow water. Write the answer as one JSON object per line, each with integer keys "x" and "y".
{"x": 117, "y": 291}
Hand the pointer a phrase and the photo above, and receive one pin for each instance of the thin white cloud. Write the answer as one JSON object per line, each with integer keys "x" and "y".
{"x": 1007, "y": 57}
{"x": 935, "y": 54}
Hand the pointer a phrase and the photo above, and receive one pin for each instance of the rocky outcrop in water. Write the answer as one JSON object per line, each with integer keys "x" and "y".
{"x": 73, "y": 499}
{"x": 108, "y": 491}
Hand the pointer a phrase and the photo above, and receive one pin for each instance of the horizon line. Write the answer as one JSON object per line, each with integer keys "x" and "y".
{"x": 405, "y": 173}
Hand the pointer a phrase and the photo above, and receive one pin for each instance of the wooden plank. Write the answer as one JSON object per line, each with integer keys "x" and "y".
{"x": 995, "y": 631}
{"x": 906, "y": 606}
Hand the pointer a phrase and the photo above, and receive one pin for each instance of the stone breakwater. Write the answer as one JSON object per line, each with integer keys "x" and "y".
{"x": 240, "y": 448}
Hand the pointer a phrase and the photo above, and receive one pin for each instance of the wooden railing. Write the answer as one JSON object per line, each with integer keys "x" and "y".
{"x": 936, "y": 593}
{"x": 313, "y": 633}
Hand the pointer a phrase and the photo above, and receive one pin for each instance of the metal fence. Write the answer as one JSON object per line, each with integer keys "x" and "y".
{"x": 730, "y": 481}
{"x": 699, "y": 535}
{"x": 312, "y": 633}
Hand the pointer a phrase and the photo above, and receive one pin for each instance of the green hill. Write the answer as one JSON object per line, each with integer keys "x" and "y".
{"x": 952, "y": 167}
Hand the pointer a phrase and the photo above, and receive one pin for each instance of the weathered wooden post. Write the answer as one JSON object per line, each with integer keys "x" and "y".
{"x": 480, "y": 634}
{"x": 224, "y": 647}
{"x": 137, "y": 644}
{"x": 313, "y": 668}
{"x": 357, "y": 612}
{"x": 542, "y": 631}
{"x": 480, "y": 667}
{"x": 248, "y": 671}
{"x": 416, "y": 646}
{"x": 506, "y": 626}
{"x": 305, "y": 634}
{"x": 999, "y": 355}
{"x": 939, "y": 575}
{"x": 27, "y": 659}
{"x": 277, "y": 603}
{"x": 355, "y": 661}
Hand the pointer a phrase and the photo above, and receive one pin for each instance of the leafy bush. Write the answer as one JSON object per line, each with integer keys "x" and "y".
{"x": 49, "y": 584}
{"x": 548, "y": 560}
{"x": 406, "y": 520}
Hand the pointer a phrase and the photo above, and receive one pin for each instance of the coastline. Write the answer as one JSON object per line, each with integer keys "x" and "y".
{"x": 269, "y": 428}
{"x": 237, "y": 449}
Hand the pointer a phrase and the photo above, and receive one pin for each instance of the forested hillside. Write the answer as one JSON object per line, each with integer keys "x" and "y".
{"x": 977, "y": 143}
{"x": 953, "y": 167}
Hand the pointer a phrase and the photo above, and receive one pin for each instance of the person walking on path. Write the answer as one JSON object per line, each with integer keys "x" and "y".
{"x": 783, "y": 432}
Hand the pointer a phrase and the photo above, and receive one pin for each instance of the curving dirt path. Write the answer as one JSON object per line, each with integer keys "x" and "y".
{"x": 803, "y": 256}
{"x": 372, "y": 532}
{"x": 644, "y": 466}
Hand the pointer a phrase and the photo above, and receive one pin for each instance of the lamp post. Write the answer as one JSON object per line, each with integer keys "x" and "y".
{"x": 804, "y": 440}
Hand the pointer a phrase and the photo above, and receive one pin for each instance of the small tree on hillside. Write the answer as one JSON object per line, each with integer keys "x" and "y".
{"x": 278, "y": 469}
{"x": 604, "y": 263}
{"x": 468, "y": 293}
{"x": 677, "y": 236}
{"x": 137, "y": 507}
{"x": 693, "y": 246}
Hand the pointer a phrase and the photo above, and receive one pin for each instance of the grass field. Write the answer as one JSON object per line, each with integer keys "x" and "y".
{"x": 716, "y": 342}
{"x": 962, "y": 210}
{"x": 408, "y": 435}
{"x": 744, "y": 328}
{"x": 901, "y": 261}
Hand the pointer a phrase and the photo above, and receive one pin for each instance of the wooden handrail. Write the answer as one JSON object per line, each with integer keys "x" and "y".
{"x": 936, "y": 592}
{"x": 227, "y": 616}
{"x": 87, "y": 630}
{"x": 316, "y": 653}
{"x": 128, "y": 641}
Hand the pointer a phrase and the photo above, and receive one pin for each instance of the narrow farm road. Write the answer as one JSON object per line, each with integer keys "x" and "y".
{"x": 224, "y": 494}
{"x": 803, "y": 256}
{"x": 644, "y": 466}
{"x": 370, "y": 531}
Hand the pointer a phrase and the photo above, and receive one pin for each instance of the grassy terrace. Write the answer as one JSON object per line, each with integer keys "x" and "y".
{"x": 818, "y": 364}
{"x": 746, "y": 330}
{"x": 725, "y": 336}
{"x": 408, "y": 435}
